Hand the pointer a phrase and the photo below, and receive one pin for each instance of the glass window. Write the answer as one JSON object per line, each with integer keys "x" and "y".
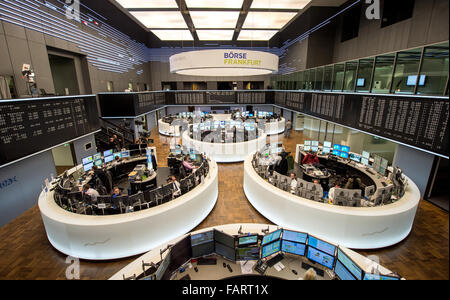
{"x": 307, "y": 82}
{"x": 328, "y": 73}
{"x": 312, "y": 76}
{"x": 434, "y": 73}
{"x": 338, "y": 77}
{"x": 300, "y": 80}
{"x": 364, "y": 74}
{"x": 110, "y": 86}
{"x": 406, "y": 69}
{"x": 350, "y": 76}
{"x": 383, "y": 74}
{"x": 319, "y": 78}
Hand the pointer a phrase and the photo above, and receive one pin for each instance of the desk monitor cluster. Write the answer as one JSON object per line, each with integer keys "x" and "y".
{"x": 267, "y": 250}
{"x": 303, "y": 188}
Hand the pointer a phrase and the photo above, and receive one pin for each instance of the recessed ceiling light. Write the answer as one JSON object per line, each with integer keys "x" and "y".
{"x": 173, "y": 35}
{"x": 160, "y": 19}
{"x": 256, "y": 35}
{"x": 214, "y": 3}
{"x": 272, "y": 20}
{"x": 215, "y": 35}
{"x": 148, "y": 4}
{"x": 214, "y": 19}
{"x": 280, "y": 4}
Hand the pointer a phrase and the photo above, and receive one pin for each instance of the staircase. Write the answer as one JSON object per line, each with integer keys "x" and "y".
{"x": 108, "y": 129}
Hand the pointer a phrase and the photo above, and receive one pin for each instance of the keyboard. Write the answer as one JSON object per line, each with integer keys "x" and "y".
{"x": 207, "y": 261}
{"x": 273, "y": 261}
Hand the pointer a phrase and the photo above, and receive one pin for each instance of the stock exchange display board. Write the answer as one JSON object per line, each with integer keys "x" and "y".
{"x": 32, "y": 125}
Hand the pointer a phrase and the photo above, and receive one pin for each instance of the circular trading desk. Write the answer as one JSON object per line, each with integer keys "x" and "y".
{"x": 117, "y": 236}
{"x": 168, "y": 128}
{"x": 352, "y": 227}
{"x": 225, "y": 152}
{"x": 275, "y": 126}
{"x": 240, "y": 270}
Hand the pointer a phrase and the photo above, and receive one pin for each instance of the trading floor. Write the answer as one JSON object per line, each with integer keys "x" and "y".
{"x": 422, "y": 255}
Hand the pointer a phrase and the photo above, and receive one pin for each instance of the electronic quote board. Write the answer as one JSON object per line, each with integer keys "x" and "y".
{"x": 32, "y": 125}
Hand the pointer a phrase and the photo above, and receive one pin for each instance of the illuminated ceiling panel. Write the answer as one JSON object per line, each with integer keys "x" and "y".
{"x": 160, "y": 19}
{"x": 214, "y": 19}
{"x": 214, "y": 3}
{"x": 269, "y": 20}
{"x": 215, "y": 35}
{"x": 256, "y": 35}
{"x": 173, "y": 35}
{"x": 280, "y": 4}
{"x": 148, "y": 3}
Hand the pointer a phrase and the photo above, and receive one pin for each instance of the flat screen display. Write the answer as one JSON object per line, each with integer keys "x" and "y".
{"x": 97, "y": 156}
{"x": 361, "y": 82}
{"x": 88, "y": 166}
{"x": 118, "y": 154}
{"x": 321, "y": 245}
{"x": 125, "y": 154}
{"x": 293, "y": 248}
{"x": 355, "y": 157}
{"x": 307, "y": 148}
{"x": 163, "y": 267}
{"x": 227, "y": 252}
{"x": 345, "y": 148}
{"x": 181, "y": 253}
{"x": 270, "y": 249}
{"x": 336, "y": 152}
{"x": 271, "y": 237}
{"x": 413, "y": 79}
{"x": 315, "y": 143}
{"x": 98, "y": 162}
{"x": 349, "y": 264}
{"x": 107, "y": 153}
{"x": 109, "y": 159}
{"x": 307, "y": 143}
{"x": 344, "y": 154}
{"x": 342, "y": 273}
{"x": 203, "y": 249}
{"x": 366, "y": 154}
{"x": 365, "y": 161}
{"x": 201, "y": 238}
{"x": 248, "y": 240}
{"x": 248, "y": 253}
{"x": 326, "y": 150}
{"x": 320, "y": 258}
{"x": 315, "y": 149}
{"x": 224, "y": 238}
{"x": 327, "y": 144}
{"x": 295, "y": 236}
{"x": 368, "y": 276}
{"x": 337, "y": 147}
{"x": 87, "y": 160}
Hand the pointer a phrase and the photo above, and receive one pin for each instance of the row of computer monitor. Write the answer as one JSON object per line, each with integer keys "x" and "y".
{"x": 210, "y": 125}
{"x": 98, "y": 159}
{"x": 337, "y": 150}
{"x": 247, "y": 247}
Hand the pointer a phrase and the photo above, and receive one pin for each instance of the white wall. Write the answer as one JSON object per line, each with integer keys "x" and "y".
{"x": 62, "y": 156}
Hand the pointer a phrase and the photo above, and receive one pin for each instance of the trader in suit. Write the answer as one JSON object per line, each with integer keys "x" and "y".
{"x": 155, "y": 165}
{"x": 176, "y": 186}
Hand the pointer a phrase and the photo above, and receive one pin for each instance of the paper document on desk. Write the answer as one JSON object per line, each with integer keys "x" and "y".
{"x": 279, "y": 266}
{"x": 318, "y": 173}
{"x": 247, "y": 266}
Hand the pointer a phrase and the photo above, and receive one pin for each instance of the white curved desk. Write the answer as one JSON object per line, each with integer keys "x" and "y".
{"x": 225, "y": 152}
{"x": 167, "y": 129}
{"x": 124, "y": 235}
{"x": 352, "y": 227}
{"x": 272, "y": 128}
{"x": 135, "y": 268}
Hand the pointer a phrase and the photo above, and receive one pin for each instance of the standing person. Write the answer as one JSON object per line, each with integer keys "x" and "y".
{"x": 101, "y": 175}
{"x": 287, "y": 131}
{"x": 155, "y": 165}
{"x": 310, "y": 159}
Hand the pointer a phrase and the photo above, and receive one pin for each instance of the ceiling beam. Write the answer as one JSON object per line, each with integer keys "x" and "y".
{"x": 242, "y": 16}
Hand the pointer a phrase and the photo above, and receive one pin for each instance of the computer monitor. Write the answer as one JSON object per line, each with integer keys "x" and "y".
{"x": 355, "y": 157}
{"x": 368, "y": 276}
{"x": 307, "y": 143}
{"x": 307, "y": 148}
{"x": 108, "y": 159}
{"x": 411, "y": 81}
{"x": 315, "y": 143}
{"x": 201, "y": 238}
{"x": 321, "y": 245}
{"x": 327, "y": 144}
{"x": 365, "y": 161}
{"x": 177, "y": 151}
{"x": 193, "y": 156}
{"x": 87, "y": 160}
{"x": 345, "y": 149}
{"x": 270, "y": 249}
{"x": 181, "y": 253}
{"x": 224, "y": 239}
{"x": 344, "y": 154}
{"x": 295, "y": 236}
{"x": 98, "y": 162}
{"x": 88, "y": 167}
{"x": 107, "y": 153}
{"x": 224, "y": 251}
{"x": 349, "y": 264}
{"x": 161, "y": 271}
{"x": 336, "y": 152}
{"x": 361, "y": 82}
{"x": 365, "y": 154}
{"x": 125, "y": 153}
{"x": 251, "y": 115}
{"x": 97, "y": 156}
{"x": 337, "y": 147}
{"x": 315, "y": 149}
{"x": 248, "y": 240}
{"x": 117, "y": 154}
{"x": 247, "y": 253}
{"x": 270, "y": 237}
{"x": 293, "y": 248}
{"x": 326, "y": 150}
{"x": 320, "y": 257}
{"x": 342, "y": 273}
{"x": 202, "y": 244}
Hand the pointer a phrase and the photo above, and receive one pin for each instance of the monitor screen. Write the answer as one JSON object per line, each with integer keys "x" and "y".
{"x": 366, "y": 154}
{"x": 368, "y": 276}
{"x": 201, "y": 238}
{"x": 107, "y": 153}
{"x": 345, "y": 149}
{"x": 355, "y": 157}
{"x": 327, "y": 144}
{"x": 126, "y": 153}
{"x": 181, "y": 253}
{"x": 97, "y": 156}
{"x": 307, "y": 143}
{"x": 248, "y": 240}
{"x": 224, "y": 239}
{"x": 87, "y": 160}
{"x": 336, "y": 152}
{"x": 326, "y": 150}
{"x": 315, "y": 143}
{"x": 361, "y": 82}
{"x": 163, "y": 267}
{"x": 193, "y": 156}
{"x": 203, "y": 249}
{"x": 109, "y": 159}
{"x": 413, "y": 79}
{"x": 117, "y": 154}
{"x": 365, "y": 161}
{"x": 320, "y": 257}
{"x": 270, "y": 249}
{"x": 250, "y": 115}
{"x": 342, "y": 273}
{"x": 248, "y": 253}
{"x": 321, "y": 245}
{"x": 98, "y": 162}
{"x": 178, "y": 151}
{"x": 307, "y": 148}
{"x": 337, "y": 147}
{"x": 88, "y": 166}
{"x": 349, "y": 264}
{"x": 271, "y": 237}
{"x": 295, "y": 236}
{"x": 293, "y": 248}
{"x": 315, "y": 149}
{"x": 227, "y": 252}
{"x": 344, "y": 154}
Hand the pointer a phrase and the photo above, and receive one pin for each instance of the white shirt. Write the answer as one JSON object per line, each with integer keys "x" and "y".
{"x": 293, "y": 186}
{"x": 93, "y": 193}
{"x": 176, "y": 186}
{"x": 331, "y": 193}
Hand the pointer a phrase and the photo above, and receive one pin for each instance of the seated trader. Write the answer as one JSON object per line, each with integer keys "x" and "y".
{"x": 116, "y": 192}
{"x": 332, "y": 191}
{"x": 310, "y": 159}
{"x": 101, "y": 175}
{"x": 176, "y": 186}
{"x": 293, "y": 183}
{"x": 187, "y": 165}
{"x": 87, "y": 190}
